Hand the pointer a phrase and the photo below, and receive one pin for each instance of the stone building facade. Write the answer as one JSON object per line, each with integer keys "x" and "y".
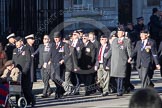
{"x": 107, "y": 12}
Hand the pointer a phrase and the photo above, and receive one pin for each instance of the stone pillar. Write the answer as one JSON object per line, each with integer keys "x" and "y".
{"x": 137, "y": 9}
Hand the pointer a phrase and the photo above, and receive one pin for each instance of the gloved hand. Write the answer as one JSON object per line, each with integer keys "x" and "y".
{"x": 9, "y": 79}
{"x": 0, "y": 80}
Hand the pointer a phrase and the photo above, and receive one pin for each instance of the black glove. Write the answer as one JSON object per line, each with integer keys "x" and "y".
{"x": 0, "y": 80}
{"x": 9, "y": 79}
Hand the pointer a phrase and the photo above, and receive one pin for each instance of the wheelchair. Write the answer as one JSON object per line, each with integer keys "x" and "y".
{"x": 15, "y": 89}
{"x": 15, "y": 97}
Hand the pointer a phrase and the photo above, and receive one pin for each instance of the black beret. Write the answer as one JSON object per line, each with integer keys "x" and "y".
{"x": 18, "y": 38}
{"x": 129, "y": 23}
{"x": 103, "y": 36}
{"x": 67, "y": 38}
{"x": 76, "y": 32}
{"x": 56, "y": 35}
{"x": 120, "y": 29}
{"x": 154, "y": 10}
{"x": 85, "y": 35}
{"x": 112, "y": 33}
{"x": 144, "y": 31}
{"x": 140, "y": 18}
{"x": 80, "y": 30}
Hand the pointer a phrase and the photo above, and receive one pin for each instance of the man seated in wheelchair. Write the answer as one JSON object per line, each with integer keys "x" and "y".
{"x": 11, "y": 73}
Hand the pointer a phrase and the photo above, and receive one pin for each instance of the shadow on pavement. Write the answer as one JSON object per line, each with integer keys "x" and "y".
{"x": 74, "y": 100}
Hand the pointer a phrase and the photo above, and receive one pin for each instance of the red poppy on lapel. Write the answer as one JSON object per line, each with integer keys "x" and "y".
{"x": 120, "y": 42}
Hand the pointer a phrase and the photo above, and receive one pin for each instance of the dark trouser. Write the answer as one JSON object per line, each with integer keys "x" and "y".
{"x": 26, "y": 87}
{"x": 57, "y": 77}
{"x": 31, "y": 85}
{"x": 156, "y": 37}
{"x": 113, "y": 85}
{"x": 119, "y": 85}
{"x": 59, "y": 88}
{"x": 127, "y": 83}
{"x": 46, "y": 77}
{"x": 91, "y": 83}
{"x": 75, "y": 81}
{"x": 86, "y": 79}
{"x": 143, "y": 75}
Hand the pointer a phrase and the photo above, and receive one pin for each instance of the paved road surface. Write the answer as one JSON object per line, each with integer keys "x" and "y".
{"x": 93, "y": 101}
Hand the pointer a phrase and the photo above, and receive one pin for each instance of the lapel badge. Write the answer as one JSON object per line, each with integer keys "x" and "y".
{"x": 147, "y": 48}
{"x": 88, "y": 49}
{"x": 122, "y": 47}
{"x": 78, "y": 48}
{"x": 23, "y": 53}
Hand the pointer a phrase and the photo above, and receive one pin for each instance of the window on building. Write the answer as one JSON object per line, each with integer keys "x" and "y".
{"x": 153, "y": 2}
{"x": 104, "y": 3}
{"x": 96, "y": 3}
{"x": 77, "y": 2}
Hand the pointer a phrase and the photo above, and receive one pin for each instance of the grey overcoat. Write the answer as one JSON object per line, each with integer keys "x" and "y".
{"x": 119, "y": 54}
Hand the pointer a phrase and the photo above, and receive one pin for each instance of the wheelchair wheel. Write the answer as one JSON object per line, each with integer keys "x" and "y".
{"x": 9, "y": 103}
{"x": 22, "y": 102}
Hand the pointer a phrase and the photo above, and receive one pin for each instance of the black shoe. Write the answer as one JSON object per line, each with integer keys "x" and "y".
{"x": 151, "y": 85}
{"x": 114, "y": 91}
{"x": 33, "y": 102}
{"x": 58, "y": 96}
{"x": 45, "y": 96}
{"x": 49, "y": 93}
{"x": 120, "y": 94}
{"x": 127, "y": 91}
{"x": 105, "y": 94}
{"x": 93, "y": 91}
{"x": 87, "y": 94}
{"x": 100, "y": 90}
{"x": 132, "y": 87}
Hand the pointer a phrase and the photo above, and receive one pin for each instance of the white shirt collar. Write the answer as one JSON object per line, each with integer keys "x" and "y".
{"x": 74, "y": 42}
{"x": 86, "y": 43}
{"x": 58, "y": 43}
{"x": 93, "y": 41}
{"x": 46, "y": 44}
{"x": 104, "y": 45}
{"x": 20, "y": 48}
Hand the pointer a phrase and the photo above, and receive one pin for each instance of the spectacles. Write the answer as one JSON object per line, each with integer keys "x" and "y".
{"x": 84, "y": 38}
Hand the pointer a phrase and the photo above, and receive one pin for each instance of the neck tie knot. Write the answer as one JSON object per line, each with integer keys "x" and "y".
{"x": 19, "y": 50}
